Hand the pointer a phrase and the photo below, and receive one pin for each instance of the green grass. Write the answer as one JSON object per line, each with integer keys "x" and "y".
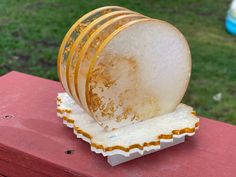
{"x": 31, "y": 32}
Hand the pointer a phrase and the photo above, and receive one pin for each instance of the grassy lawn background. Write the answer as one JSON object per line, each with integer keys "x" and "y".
{"x": 31, "y": 32}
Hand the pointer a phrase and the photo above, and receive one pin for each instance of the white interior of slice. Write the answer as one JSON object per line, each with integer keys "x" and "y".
{"x": 141, "y": 72}
{"x": 134, "y": 137}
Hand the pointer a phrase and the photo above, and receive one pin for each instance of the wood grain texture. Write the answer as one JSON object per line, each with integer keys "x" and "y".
{"x": 33, "y": 141}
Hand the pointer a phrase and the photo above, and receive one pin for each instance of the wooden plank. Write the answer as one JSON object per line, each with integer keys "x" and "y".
{"x": 33, "y": 141}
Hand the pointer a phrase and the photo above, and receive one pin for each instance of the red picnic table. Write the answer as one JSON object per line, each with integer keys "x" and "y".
{"x": 34, "y": 142}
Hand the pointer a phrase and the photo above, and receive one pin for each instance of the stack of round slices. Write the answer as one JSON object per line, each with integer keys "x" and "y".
{"x": 123, "y": 67}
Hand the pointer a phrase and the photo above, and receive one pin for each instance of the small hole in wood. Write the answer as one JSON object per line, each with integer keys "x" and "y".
{"x": 69, "y": 152}
{"x": 6, "y": 116}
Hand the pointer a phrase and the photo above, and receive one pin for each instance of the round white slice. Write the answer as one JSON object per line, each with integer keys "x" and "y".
{"x": 139, "y": 72}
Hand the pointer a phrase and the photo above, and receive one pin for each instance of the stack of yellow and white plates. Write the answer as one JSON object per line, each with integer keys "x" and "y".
{"x": 125, "y": 75}
{"x": 122, "y": 67}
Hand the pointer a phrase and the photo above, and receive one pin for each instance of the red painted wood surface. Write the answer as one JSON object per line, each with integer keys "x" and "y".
{"x": 33, "y": 141}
